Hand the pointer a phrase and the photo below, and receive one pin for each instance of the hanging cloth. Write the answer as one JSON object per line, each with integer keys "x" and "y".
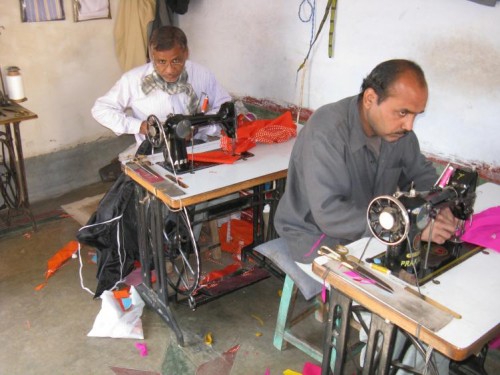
{"x": 131, "y": 39}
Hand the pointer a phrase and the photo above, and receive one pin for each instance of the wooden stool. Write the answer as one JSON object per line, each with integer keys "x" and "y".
{"x": 295, "y": 280}
{"x": 286, "y": 320}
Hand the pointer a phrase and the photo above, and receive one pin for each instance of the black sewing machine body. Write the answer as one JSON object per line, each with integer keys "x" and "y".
{"x": 172, "y": 136}
{"x": 399, "y": 220}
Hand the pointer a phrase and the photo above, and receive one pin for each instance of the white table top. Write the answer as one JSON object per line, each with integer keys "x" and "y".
{"x": 270, "y": 162}
{"x": 471, "y": 289}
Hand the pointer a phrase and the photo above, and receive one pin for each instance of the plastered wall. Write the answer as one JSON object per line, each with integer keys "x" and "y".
{"x": 65, "y": 66}
{"x": 255, "y": 48}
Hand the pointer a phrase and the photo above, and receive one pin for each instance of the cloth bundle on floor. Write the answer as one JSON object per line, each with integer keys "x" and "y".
{"x": 112, "y": 231}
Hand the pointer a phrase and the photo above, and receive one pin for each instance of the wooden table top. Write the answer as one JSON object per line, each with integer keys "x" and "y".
{"x": 269, "y": 163}
{"x": 464, "y": 298}
{"x": 15, "y": 113}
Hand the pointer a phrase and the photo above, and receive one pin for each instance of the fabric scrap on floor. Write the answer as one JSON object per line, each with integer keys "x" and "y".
{"x": 57, "y": 260}
{"x": 176, "y": 361}
{"x": 221, "y": 365}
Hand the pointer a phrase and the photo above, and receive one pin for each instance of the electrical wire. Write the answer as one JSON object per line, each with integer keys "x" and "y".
{"x": 311, "y": 17}
{"x": 184, "y": 210}
{"x": 80, "y": 269}
{"x": 119, "y": 253}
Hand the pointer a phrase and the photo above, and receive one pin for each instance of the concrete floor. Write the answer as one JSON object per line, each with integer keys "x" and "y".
{"x": 45, "y": 331}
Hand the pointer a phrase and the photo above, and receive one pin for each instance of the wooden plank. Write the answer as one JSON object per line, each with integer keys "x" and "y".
{"x": 408, "y": 305}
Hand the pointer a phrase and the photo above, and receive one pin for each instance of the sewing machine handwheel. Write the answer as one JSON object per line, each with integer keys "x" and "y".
{"x": 181, "y": 255}
{"x": 388, "y": 220}
{"x": 154, "y": 132}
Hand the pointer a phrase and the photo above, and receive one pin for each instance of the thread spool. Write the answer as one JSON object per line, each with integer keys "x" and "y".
{"x": 445, "y": 178}
{"x": 15, "y": 86}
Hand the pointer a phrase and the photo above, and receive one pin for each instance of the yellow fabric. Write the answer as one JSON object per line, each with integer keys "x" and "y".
{"x": 131, "y": 32}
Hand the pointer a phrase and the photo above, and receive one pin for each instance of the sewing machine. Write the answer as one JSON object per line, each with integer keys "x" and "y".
{"x": 398, "y": 222}
{"x": 172, "y": 136}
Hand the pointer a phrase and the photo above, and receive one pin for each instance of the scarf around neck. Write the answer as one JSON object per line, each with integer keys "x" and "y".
{"x": 155, "y": 81}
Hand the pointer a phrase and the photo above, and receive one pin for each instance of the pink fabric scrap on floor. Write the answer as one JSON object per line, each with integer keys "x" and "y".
{"x": 311, "y": 369}
{"x": 143, "y": 349}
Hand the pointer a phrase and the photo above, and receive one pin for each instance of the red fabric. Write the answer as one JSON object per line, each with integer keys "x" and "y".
{"x": 219, "y": 274}
{"x": 277, "y": 130}
{"x": 240, "y": 235}
{"x": 57, "y": 260}
{"x": 216, "y": 156}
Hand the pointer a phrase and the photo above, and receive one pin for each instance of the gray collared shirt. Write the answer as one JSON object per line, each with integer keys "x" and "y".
{"x": 333, "y": 175}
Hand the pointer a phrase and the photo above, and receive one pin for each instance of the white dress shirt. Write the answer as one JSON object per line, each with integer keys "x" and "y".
{"x": 123, "y": 108}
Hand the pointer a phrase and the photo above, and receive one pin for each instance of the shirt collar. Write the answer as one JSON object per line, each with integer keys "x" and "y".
{"x": 357, "y": 138}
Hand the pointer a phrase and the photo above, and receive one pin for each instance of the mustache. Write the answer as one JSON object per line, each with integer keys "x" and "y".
{"x": 402, "y": 132}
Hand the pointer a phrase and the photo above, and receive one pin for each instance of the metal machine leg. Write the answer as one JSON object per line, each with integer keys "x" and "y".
{"x": 336, "y": 333}
{"x": 156, "y": 298}
{"x": 385, "y": 331}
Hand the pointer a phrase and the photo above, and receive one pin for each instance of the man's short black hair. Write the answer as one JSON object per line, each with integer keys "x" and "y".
{"x": 385, "y": 74}
{"x": 167, "y": 37}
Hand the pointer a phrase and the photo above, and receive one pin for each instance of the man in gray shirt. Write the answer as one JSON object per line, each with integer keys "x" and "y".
{"x": 352, "y": 151}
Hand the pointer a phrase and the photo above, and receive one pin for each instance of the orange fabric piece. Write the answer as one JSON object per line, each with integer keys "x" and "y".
{"x": 277, "y": 130}
{"x": 219, "y": 274}
{"x": 58, "y": 259}
{"x": 239, "y": 231}
{"x": 122, "y": 293}
{"x": 216, "y": 156}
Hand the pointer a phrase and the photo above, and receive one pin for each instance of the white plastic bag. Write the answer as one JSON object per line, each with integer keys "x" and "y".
{"x": 113, "y": 322}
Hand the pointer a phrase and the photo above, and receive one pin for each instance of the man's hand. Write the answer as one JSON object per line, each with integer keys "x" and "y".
{"x": 444, "y": 227}
{"x": 144, "y": 128}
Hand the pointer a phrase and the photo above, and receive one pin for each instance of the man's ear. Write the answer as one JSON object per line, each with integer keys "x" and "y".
{"x": 150, "y": 53}
{"x": 370, "y": 97}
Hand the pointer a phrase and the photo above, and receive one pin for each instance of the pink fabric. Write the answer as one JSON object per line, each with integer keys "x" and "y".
{"x": 311, "y": 369}
{"x": 485, "y": 229}
{"x": 495, "y": 343}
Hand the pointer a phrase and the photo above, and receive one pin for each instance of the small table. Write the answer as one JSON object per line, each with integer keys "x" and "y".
{"x": 156, "y": 187}
{"x": 457, "y": 316}
{"x": 13, "y": 185}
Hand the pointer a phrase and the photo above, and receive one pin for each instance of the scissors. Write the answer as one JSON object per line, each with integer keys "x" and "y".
{"x": 341, "y": 254}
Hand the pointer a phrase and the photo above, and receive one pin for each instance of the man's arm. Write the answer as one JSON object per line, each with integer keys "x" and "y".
{"x": 110, "y": 110}
{"x": 329, "y": 192}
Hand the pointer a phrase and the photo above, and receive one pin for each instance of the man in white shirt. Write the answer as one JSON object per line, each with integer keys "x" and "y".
{"x": 168, "y": 84}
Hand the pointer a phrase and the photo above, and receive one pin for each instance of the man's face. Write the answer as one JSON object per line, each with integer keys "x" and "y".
{"x": 169, "y": 64}
{"x": 394, "y": 117}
